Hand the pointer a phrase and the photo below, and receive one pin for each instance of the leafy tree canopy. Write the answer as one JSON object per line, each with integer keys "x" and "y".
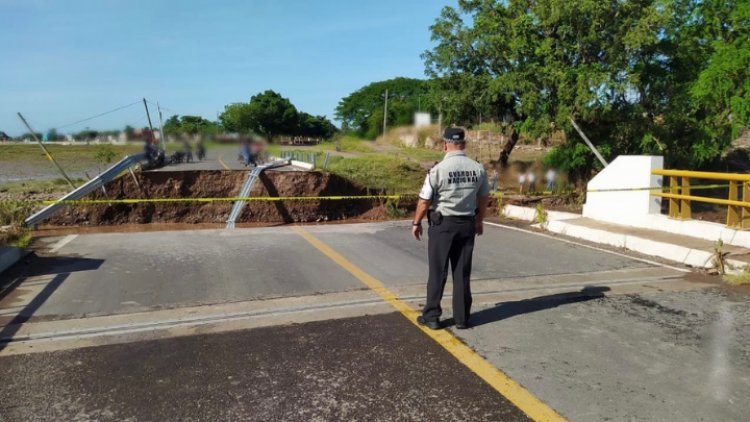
{"x": 362, "y": 111}
{"x": 722, "y": 91}
{"x": 190, "y": 125}
{"x": 314, "y": 126}
{"x": 270, "y": 115}
{"x": 640, "y": 76}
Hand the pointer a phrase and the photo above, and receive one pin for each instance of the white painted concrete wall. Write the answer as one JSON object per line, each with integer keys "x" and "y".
{"x": 624, "y": 207}
{"x": 303, "y": 164}
{"x": 640, "y": 209}
{"x": 529, "y": 213}
{"x": 696, "y": 228}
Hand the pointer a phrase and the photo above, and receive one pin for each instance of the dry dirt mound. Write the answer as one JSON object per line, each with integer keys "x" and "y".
{"x": 219, "y": 184}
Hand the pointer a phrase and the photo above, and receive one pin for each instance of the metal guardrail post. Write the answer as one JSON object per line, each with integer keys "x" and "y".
{"x": 328, "y": 158}
{"x": 685, "y": 206}
{"x": 733, "y": 215}
{"x": 674, "y": 204}
{"x": 681, "y": 198}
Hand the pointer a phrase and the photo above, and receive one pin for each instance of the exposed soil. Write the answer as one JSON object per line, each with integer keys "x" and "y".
{"x": 221, "y": 184}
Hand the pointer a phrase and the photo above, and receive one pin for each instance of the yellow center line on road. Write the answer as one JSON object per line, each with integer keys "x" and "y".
{"x": 502, "y": 383}
{"x": 221, "y": 161}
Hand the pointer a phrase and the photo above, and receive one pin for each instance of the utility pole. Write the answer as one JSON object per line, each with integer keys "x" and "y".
{"x": 385, "y": 112}
{"x": 49, "y": 156}
{"x": 150, "y": 127}
{"x": 440, "y": 118}
{"x": 162, "y": 135}
{"x": 588, "y": 142}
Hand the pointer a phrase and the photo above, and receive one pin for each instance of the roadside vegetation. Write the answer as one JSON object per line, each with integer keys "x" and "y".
{"x": 20, "y": 188}
{"x": 12, "y": 231}
{"x": 382, "y": 173}
{"x": 344, "y": 143}
{"x": 73, "y": 158}
{"x": 741, "y": 279}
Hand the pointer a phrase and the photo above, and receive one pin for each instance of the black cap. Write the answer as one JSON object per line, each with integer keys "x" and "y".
{"x": 454, "y": 135}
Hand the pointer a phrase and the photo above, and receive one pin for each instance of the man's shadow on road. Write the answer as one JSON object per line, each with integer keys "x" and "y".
{"x": 59, "y": 266}
{"x": 505, "y": 310}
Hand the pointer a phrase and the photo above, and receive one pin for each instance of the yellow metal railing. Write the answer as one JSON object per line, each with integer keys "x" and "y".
{"x": 680, "y": 198}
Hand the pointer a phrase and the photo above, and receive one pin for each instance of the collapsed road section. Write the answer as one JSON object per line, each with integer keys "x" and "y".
{"x": 217, "y": 191}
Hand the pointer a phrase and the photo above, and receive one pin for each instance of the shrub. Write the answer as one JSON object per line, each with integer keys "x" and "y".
{"x": 541, "y": 216}
{"x": 12, "y": 215}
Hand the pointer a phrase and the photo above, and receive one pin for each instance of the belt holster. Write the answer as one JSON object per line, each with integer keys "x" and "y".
{"x": 434, "y": 218}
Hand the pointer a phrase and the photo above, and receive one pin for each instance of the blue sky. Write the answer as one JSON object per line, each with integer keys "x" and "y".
{"x": 67, "y": 60}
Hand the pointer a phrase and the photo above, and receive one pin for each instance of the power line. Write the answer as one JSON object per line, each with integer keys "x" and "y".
{"x": 162, "y": 107}
{"x": 98, "y": 115}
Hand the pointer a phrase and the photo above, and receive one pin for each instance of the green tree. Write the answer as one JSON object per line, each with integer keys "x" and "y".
{"x": 362, "y": 111}
{"x": 722, "y": 89}
{"x": 640, "y": 76}
{"x": 104, "y": 154}
{"x": 52, "y": 135}
{"x": 315, "y": 126}
{"x": 267, "y": 114}
{"x": 129, "y": 132}
{"x": 29, "y": 135}
{"x": 172, "y": 125}
{"x": 87, "y": 134}
{"x": 190, "y": 125}
{"x": 235, "y": 117}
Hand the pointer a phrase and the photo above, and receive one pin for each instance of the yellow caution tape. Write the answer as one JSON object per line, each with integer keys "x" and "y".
{"x": 310, "y": 198}
{"x": 659, "y": 188}
{"x": 204, "y": 200}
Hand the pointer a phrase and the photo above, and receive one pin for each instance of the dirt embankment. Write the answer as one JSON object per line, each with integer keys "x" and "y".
{"x": 220, "y": 184}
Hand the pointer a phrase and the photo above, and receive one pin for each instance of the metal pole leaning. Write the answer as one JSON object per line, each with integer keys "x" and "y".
{"x": 162, "y": 135}
{"x": 86, "y": 188}
{"x": 247, "y": 187}
{"x": 589, "y": 143}
{"x": 49, "y": 156}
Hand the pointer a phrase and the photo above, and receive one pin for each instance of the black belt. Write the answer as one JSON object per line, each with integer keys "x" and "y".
{"x": 459, "y": 217}
{"x": 435, "y": 218}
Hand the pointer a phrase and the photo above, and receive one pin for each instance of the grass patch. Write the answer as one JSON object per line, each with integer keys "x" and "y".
{"x": 741, "y": 279}
{"x": 12, "y": 214}
{"x": 346, "y": 144}
{"x": 23, "y": 240}
{"x": 30, "y": 187}
{"x": 273, "y": 149}
{"x": 73, "y": 158}
{"x": 421, "y": 154}
{"x": 380, "y": 172}
{"x": 393, "y": 209}
{"x": 489, "y": 126}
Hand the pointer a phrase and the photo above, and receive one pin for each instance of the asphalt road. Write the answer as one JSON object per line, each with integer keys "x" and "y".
{"x": 363, "y": 369}
{"x": 259, "y": 324}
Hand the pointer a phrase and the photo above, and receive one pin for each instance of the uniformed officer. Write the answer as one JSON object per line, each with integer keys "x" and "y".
{"x": 454, "y": 197}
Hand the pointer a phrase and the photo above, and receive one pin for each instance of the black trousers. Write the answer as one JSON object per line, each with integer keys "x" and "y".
{"x": 450, "y": 242}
